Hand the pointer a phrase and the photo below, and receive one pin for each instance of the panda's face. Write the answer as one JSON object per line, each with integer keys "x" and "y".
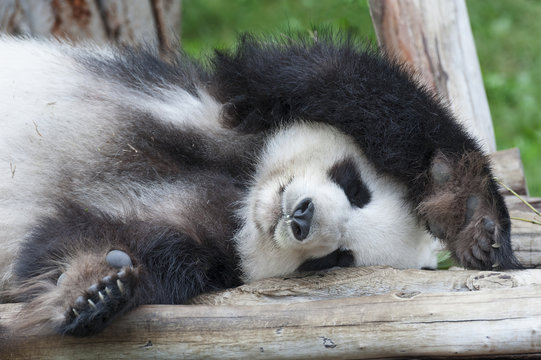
{"x": 314, "y": 193}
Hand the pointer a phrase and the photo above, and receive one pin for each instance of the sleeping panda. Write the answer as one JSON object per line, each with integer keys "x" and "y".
{"x": 127, "y": 180}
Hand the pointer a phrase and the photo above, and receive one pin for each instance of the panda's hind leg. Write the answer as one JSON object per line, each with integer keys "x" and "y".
{"x": 463, "y": 208}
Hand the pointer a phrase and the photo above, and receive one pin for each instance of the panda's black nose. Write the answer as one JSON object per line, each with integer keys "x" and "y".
{"x": 301, "y": 219}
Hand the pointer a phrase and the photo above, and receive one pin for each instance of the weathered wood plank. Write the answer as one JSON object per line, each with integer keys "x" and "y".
{"x": 507, "y": 166}
{"x": 367, "y": 281}
{"x": 461, "y": 324}
{"x": 526, "y": 237}
{"x": 435, "y": 39}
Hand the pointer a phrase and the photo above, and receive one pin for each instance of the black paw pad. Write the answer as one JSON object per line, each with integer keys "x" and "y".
{"x": 118, "y": 259}
{"x": 440, "y": 172}
{"x": 489, "y": 225}
{"x": 471, "y": 205}
{"x": 101, "y": 303}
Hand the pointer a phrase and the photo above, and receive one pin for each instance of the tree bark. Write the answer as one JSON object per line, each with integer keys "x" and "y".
{"x": 434, "y": 38}
{"x": 151, "y": 21}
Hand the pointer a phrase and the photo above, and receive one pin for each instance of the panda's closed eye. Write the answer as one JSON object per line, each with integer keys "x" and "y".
{"x": 344, "y": 173}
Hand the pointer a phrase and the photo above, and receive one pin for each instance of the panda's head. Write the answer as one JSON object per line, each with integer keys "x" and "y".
{"x": 314, "y": 194}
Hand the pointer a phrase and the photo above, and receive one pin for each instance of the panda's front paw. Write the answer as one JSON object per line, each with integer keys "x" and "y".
{"x": 464, "y": 209}
{"x": 104, "y": 300}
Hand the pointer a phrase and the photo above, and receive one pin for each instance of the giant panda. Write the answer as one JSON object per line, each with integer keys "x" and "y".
{"x": 127, "y": 179}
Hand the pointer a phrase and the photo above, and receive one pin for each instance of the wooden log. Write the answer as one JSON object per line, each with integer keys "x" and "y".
{"x": 435, "y": 39}
{"x": 367, "y": 281}
{"x": 507, "y": 166}
{"x": 526, "y": 237}
{"x": 154, "y": 21}
{"x": 464, "y": 324}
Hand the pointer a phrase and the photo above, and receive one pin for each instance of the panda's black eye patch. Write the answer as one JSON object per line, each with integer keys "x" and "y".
{"x": 344, "y": 173}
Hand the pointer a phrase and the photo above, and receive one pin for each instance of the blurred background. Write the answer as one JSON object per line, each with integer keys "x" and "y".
{"x": 507, "y": 36}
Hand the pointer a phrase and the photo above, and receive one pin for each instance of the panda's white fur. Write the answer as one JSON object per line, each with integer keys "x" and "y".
{"x": 195, "y": 175}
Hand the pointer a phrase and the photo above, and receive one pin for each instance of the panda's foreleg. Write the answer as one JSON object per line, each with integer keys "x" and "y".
{"x": 463, "y": 208}
{"x": 179, "y": 267}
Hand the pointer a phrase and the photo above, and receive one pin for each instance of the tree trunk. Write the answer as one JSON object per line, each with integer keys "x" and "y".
{"x": 434, "y": 37}
{"x": 123, "y": 21}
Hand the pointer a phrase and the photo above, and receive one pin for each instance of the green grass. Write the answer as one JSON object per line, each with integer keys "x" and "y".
{"x": 506, "y": 34}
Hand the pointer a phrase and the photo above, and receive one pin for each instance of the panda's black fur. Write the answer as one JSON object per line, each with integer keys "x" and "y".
{"x": 169, "y": 161}
{"x": 398, "y": 124}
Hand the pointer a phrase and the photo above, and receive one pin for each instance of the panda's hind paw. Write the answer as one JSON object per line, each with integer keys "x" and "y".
{"x": 101, "y": 303}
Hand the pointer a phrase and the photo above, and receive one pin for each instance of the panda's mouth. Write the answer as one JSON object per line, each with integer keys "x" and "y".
{"x": 339, "y": 257}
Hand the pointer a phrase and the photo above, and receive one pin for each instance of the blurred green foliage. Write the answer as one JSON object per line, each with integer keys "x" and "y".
{"x": 507, "y": 37}
{"x": 208, "y": 24}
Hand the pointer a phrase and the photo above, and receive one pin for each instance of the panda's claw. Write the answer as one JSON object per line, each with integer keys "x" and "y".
{"x": 101, "y": 303}
{"x": 120, "y": 286}
{"x": 92, "y": 305}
